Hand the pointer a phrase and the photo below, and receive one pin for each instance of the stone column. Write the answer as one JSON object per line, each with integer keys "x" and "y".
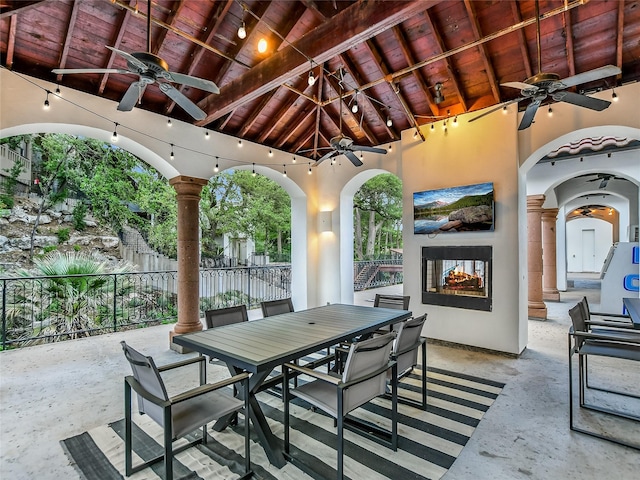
{"x": 537, "y": 308}
{"x": 549, "y": 275}
{"x": 188, "y": 189}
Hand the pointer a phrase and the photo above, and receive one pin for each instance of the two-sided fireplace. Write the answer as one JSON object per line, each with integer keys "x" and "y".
{"x": 457, "y": 276}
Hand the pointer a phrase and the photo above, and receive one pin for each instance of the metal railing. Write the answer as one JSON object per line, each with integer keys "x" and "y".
{"x": 377, "y": 273}
{"x": 36, "y": 310}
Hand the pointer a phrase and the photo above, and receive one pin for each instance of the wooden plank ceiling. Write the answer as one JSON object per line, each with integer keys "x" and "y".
{"x": 387, "y": 57}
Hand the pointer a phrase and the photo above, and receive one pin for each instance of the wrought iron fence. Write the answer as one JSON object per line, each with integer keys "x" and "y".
{"x": 39, "y": 310}
{"x": 377, "y": 273}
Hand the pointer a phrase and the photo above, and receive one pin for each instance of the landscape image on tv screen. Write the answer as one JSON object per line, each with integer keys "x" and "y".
{"x": 466, "y": 208}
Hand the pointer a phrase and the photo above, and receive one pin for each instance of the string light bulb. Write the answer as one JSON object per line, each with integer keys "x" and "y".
{"x": 284, "y": 170}
{"x": 239, "y": 143}
{"x": 390, "y": 148}
{"x": 432, "y": 127}
{"x": 262, "y": 45}
{"x": 294, "y": 159}
{"x": 169, "y": 123}
{"x": 550, "y": 112}
{"x": 309, "y": 173}
{"x": 504, "y": 109}
{"x": 270, "y": 153}
{"x": 614, "y": 96}
{"x": 253, "y": 170}
{"x": 46, "y": 101}
{"x": 242, "y": 31}
{"x": 171, "y": 155}
{"x": 206, "y": 134}
{"x": 216, "y": 168}
{"x": 58, "y": 93}
{"x": 311, "y": 80}
{"x": 455, "y": 121}
{"x": 114, "y": 137}
{"x": 389, "y": 122}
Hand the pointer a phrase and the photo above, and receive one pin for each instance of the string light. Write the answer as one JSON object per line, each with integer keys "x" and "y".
{"x": 206, "y": 134}
{"x": 455, "y": 121}
{"x": 415, "y": 134}
{"x": 239, "y": 143}
{"x": 433, "y": 127}
{"x": 169, "y": 124}
{"x": 309, "y": 173}
{"x": 114, "y": 137}
{"x": 270, "y": 153}
{"x": 614, "y": 96}
{"x": 46, "y": 101}
{"x": 284, "y": 170}
{"x": 216, "y": 168}
{"x": 58, "y": 91}
{"x": 242, "y": 31}
{"x": 311, "y": 80}
{"x": 444, "y": 125}
{"x": 504, "y": 109}
{"x": 262, "y": 45}
{"x": 550, "y": 112}
{"x": 253, "y": 171}
{"x": 171, "y": 156}
{"x": 389, "y": 122}
{"x": 354, "y": 107}
{"x": 390, "y": 148}
{"x": 294, "y": 159}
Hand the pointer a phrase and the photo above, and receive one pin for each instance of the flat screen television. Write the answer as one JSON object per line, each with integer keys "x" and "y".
{"x": 468, "y": 208}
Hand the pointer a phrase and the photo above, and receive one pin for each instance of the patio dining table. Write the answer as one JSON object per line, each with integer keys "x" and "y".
{"x": 632, "y": 304}
{"x": 261, "y": 345}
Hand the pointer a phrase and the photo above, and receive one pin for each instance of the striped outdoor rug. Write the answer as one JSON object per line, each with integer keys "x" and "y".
{"x": 429, "y": 441}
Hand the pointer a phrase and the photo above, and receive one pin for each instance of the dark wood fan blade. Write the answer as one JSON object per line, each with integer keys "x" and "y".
{"x": 581, "y": 100}
{"x": 186, "y": 104}
{"x": 529, "y": 114}
{"x": 364, "y": 148}
{"x": 590, "y": 76}
{"x": 352, "y": 157}
{"x": 131, "y": 96}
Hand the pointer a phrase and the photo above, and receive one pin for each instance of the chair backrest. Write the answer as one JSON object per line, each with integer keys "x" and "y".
{"x": 364, "y": 358}
{"x": 398, "y": 302}
{"x": 147, "y": 375}
{"x": 226, "y": 316}
{"x": 578, "y": 320}
{"x": 276, "y": 307}
{"x": 407, "y": 343}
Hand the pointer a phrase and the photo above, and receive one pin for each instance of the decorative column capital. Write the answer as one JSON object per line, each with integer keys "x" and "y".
{"x": 549, "y": 214}
{"x": 188, "y": 186}
{"x": 534, "y": 202}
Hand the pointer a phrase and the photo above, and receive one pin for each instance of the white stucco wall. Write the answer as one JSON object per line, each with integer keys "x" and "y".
{"x": 577, "y": 257}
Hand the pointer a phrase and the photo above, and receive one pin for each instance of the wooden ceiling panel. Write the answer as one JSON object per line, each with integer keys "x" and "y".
{"x": 393, "y": 51}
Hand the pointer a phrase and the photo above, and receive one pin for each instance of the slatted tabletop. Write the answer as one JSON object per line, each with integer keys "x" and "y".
{"x": 263, "y": 344}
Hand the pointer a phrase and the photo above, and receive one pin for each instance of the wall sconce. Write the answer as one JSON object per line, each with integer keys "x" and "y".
{"x": 325, "y": 221}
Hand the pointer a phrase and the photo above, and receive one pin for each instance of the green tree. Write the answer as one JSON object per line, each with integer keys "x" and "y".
{"x": 377, "y": 211}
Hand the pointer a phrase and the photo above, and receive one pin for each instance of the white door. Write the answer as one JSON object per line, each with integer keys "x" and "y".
{"x": 589, "y": 250}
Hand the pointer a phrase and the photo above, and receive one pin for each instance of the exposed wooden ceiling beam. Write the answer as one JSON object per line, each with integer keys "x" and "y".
{"x": 522, "y": 40}
{"x": 303, "y": 140}
{"x": 123, "y": 21}
{"x": 11, "y": 41}
{"x": 284, "y": 110}
{"x": 295, "y": 123}
{"x": 170, "y": 20}
{"x": 248, "y": 123}
{"x": 67, "y": 41}
{"x": 441, "y": 46}
{"x": 198, "y": 51}
{"x": 482, "y": 48}
{"x": 352, "y": 26}
{"x": 316, "y": 133}
{"x": 417, "y": 74}
{"x": 568, "y": 38}
{"x": 619, "y": 38}
{"x": 14, "y": 7}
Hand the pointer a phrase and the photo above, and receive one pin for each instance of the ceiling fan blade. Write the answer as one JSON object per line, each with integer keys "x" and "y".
{"x": 581, "y": 100}
{"x": 518, "y": 85}
{"x": 364, "y": 148}
{"x": 186, "y": 104}
{"x": 591, "y": 75}
{"x": 503, "y": 105}
{"x": 141, "y": 66}
{"x": 131, "y": 96}
{"x": 604, "y": 182}
{"x": 201, "y": 83}
{"x": 351, "y": 156}
{"x": 326, "y": 156}
{"x": 529, "y": 114}
{"x": 64, "y": 71}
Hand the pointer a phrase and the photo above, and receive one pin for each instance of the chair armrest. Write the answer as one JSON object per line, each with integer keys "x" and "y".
{"x": 611, "y": 324}
{"x": 209, "y": 387}
{"x": 609, "y": 337}
{"x": 181, "y": 363}
{"x": 314, "y": 373}
{"x": 140, "y": 390}
{"x": 614, "y": 315}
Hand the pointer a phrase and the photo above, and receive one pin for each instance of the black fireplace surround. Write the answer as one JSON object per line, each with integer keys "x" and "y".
{"x": 458, "y": 277}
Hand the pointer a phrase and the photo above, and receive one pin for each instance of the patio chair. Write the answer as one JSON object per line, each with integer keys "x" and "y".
{"x": 226, "y": 316}
{"x": 276, "y": 307}
{"x": 364, "y": 378}
{"x": 405, "y": 353}
{"x": 585, "y": 343}
{"x": 400, "y": 302}
{"x": 182, "y": 413}
{"x": 611, "y": 320}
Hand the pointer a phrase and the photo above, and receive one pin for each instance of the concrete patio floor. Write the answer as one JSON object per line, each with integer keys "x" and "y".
{"x": 51, "y": 392}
